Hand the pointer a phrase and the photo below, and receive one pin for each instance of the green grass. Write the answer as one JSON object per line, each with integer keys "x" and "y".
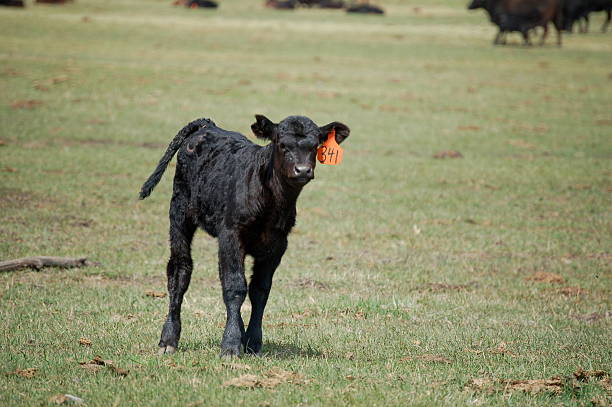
{"x": 395, "y": 254}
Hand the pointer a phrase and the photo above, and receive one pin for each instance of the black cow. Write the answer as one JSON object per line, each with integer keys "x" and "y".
{"x": 12, "y": 3}
{"x": 521, "y": 16}
{"x": 201, "y": 4}
{"x": 196, "y": 3}
{"x": 335, "y": 4}
{"x": 602, "y": 5}
{"x": 365, "y": 9}
{"x": 577, "y": 11}
{"x": 244, "y": 195}
{"x": 281, "y": 4}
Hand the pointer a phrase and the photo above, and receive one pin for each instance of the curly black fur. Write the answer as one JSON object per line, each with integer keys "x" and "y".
{"x": 176, "y": 143}
{"x": 245, "y": 195}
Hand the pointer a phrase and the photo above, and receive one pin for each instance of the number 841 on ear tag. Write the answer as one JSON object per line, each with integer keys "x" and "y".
{"x": 330, "y": 152}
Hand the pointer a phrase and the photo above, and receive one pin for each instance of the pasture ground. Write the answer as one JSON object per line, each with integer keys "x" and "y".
{"x": 409, "y": 280}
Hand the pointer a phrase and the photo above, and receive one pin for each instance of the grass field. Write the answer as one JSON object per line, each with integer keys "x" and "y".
{"x": 409, "y": 280}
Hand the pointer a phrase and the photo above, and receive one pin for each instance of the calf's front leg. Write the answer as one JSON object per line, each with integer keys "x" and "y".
{"x": 233, "y": 283}
{"x": 259, "y": 290}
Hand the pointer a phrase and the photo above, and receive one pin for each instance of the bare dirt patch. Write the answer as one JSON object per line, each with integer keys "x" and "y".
{"x": 26, "y": 373}
{"x": 155, "y": 294}
{"x": 26, "y": 104}
{"x": 84, "y": 341}
{"x": 309, "y": 283}
{"x": 98, "y": 361}
{"x": 65, "y": 399}
{"x": 444, "y": 287}
{"x": 268, "y": 380}
{"x": 448, "y": 154}
{"x": 469, "y": 128}
{"x": 572, "y": 291}
{"x": 490, "y": 385}
{"x": 546, "y": 277}
{"x": 16, "y": 198}
{"x": 502, "y": 349}
{"x": 594, "y": 316}
{"x": 522, "y": 144}
{"x": 555, "y": 385}
{"x": 428, "y": 358}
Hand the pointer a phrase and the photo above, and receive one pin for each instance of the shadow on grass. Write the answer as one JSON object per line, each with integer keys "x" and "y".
{"x": 273, "y": 350}
{"x": 534, "y": 45}
{"x": 281, "y": 350}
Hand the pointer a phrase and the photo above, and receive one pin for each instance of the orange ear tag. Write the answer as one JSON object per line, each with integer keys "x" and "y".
{"x": 330, "y": 152}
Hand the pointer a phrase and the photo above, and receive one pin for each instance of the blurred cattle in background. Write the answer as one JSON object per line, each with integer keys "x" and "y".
{"x": 361, "y": 7}
{"x": 53, "y": 1}
{"x": 577, "y": 11}
{"x": 522, "y": 16}
{"x": 336, "y": 4}
{"x": 196, "y": 3}
{"x": 365, "y": 8}
{"x": 280, "y": 4}
{"x": 12, "y": 3}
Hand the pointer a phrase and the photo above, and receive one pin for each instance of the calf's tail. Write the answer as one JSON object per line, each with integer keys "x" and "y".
{"x": 175, "y": 144}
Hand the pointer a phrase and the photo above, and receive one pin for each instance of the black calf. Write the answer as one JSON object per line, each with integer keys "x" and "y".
{"x": 245, "y": 195}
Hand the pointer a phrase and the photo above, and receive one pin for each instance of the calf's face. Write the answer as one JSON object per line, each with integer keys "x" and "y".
{"x": 296, "y": 140}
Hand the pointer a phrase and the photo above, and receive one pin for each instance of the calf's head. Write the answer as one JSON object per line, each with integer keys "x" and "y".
{"x": 295, "y": 141}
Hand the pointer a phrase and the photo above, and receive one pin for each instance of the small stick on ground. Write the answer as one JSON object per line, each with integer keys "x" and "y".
{"x": 38, "y": 262}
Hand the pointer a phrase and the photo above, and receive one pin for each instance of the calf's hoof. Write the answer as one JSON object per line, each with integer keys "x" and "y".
{"x": 253, "y": 349}
{"x": 166, "y": 350}
{"x": 230, "y": 353}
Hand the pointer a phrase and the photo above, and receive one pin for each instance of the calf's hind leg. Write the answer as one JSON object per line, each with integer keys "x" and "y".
{"x": 178, "y": 271}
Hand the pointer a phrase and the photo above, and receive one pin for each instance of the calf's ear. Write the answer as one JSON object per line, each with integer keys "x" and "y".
{"x": 342, "y": 131}
{"x": 264, "y": 128}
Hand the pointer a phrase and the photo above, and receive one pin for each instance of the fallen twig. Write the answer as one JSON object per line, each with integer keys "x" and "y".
{"x": 38, "y": 262}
